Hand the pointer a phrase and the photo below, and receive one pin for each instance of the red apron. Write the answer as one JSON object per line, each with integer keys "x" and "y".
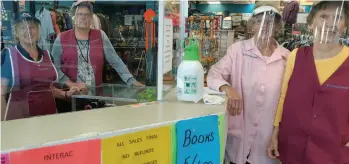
{"x": 31, "y": 94}
{"x": 70, "y": 55}
{"x": 315, "y": 122}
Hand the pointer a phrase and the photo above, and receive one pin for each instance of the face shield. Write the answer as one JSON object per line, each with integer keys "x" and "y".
{"x": 82, "y": 17}
{"x": 328, "y": 24}
{"x": 27, "y": 31}
{"x": 264, "y": 28}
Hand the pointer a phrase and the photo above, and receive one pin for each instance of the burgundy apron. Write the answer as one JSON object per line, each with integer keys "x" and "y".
{"x": 69, "y": 57}
{"x": 315, "y": 121}
{"x": 31, "y": 94}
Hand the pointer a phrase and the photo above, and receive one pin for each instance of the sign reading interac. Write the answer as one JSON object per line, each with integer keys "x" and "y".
{"x": 198, "y": 141}
{"x": 84, "y": 152}
{"x": 151, "y": 146}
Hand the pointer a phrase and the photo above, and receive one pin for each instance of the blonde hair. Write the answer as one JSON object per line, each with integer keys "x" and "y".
{"x": 19, "y": 26}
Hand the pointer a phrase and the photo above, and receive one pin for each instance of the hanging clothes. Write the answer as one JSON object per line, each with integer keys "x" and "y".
{"x": 46, "y": 29}
{"x": 290, "y": 13}
{"x": 296, "y": 42}
{"x": 104, "y": 23}
{"x": 54, "y": 22}
{"x": 61, "y": 21}
{"x": 68, "y": 21}
{"x": 96, "y": 23}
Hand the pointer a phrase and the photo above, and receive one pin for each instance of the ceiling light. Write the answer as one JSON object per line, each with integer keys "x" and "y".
{"x": 214, "y": 2}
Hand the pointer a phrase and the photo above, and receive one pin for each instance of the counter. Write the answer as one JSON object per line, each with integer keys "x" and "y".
{"x": 25, "y": 134}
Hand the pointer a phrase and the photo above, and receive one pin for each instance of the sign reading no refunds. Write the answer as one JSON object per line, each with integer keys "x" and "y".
{"x": 143, "y": 147}
{"x": 198, "y": 141}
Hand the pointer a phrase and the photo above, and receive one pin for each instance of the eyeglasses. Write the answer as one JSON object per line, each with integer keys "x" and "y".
{"x": 83, "y": 14}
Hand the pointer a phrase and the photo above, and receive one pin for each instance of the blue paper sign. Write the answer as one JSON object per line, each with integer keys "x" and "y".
{"x": 198, "y": 141}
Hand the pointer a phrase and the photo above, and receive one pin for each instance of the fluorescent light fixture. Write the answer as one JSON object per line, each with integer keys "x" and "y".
{"x": 213, "y": 2}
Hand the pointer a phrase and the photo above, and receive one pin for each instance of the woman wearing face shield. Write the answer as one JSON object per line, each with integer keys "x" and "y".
{"x": 312, "y": 120}
{"x": 250, "y": 75}
{"x": 27, "y": 75}
{"x": 80, "y": 53}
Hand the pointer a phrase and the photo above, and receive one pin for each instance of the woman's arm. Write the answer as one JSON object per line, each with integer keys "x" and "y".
{"x": 115, "y": 61}
{"x": 57, "y": 54}
{"x": 64, "y": 94}
{"x": 219, "y": 74}
{"x": 59, "y": 93}
{"x": 287, "y": 75}
{"x": 6, "y": 80}
{"x": 3, "y": 100}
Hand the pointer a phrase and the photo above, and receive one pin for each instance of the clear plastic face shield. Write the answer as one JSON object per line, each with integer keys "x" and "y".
{"x": 328, "y": 24}
{"x": 264, "y": 28}
{"x": 82, "y": 17}
{"x": 27, "y": 32}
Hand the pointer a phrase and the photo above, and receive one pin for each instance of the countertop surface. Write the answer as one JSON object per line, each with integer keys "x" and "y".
{"x": 36, "y": 131}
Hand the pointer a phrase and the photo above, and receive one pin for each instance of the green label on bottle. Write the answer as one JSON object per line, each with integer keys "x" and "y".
{"x": 190, "y": 84}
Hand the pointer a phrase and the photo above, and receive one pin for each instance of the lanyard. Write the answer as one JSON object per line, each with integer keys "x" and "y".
{"x": 88, "y": 48}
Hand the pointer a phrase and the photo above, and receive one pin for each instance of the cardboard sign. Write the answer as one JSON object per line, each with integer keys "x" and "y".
{"x": 85, "y": 152}
{"x": 144, "y": 147}
{"x": 198, "y": 141}
{"x": 5, "y": 159}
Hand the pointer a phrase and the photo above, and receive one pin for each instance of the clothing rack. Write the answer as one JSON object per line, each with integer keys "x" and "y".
{"x": 297, "y": 41}
{"x": 303, "y": 37}
{"x": 344, "y": 41}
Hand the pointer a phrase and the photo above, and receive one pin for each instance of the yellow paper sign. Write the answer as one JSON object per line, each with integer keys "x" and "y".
{"x": 144, "y": 147}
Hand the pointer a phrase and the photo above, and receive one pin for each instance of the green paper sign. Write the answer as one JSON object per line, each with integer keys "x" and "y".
{"x": 222, "y": 137}
{"x": 174, "y": 143}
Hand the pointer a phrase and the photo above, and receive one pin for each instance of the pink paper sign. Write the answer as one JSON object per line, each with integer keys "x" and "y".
{"x": 86, "y": 152}
{"x": 5, "y": 159}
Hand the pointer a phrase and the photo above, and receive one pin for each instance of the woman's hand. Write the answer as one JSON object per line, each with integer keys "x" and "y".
{"x": 138, "y": 84}
{"x": 273, "y": 144}
{"x": 80, "y": 87}
{"x": 347, "y": 145}
{"x": 72, "y": 91}
{"x": 235, "y": 102}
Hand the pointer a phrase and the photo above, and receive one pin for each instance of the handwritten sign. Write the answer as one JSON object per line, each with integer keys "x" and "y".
{"x": 222, "y": 134}
{"x": 85, "y": 152}
{"x": 128, "y": 20}
{"x": 198, "y": 141}
{"x": 5, "y": 159}
{"x": 144, "y": 147}
{"x": 168, "y": 45}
